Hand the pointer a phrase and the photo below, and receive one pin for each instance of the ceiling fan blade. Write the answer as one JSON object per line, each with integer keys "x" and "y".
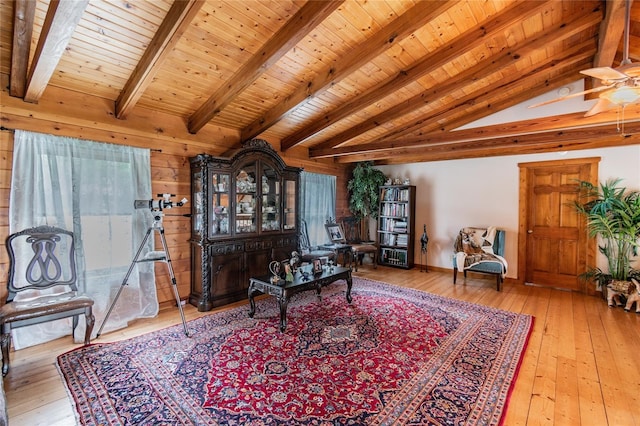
{"x": 572, "y": 95}
{"x": 630, "y": 70}
{"x": 605, "y": 73}
{"x": 602, "y": 105}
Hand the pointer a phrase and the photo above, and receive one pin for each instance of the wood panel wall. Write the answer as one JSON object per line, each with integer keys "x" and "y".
{"x": 68, "y": 114}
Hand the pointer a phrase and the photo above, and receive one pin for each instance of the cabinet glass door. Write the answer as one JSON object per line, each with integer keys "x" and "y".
{"x": 289, "y": 214}
{"x": 270, "y": 189}
{"x": 198, "y": 204}
{"x": 246, "y": 187}
{"x": 220, "y": 183}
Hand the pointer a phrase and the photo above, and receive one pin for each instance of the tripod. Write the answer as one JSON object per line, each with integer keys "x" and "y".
{"x": 152, "y": 256}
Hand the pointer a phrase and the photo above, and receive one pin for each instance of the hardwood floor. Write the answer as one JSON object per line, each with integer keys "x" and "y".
{"x": 581, "y": 367}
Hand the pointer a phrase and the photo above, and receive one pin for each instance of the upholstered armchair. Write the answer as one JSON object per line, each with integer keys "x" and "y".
{"x": 307, "y": 251}
{"x": 480, "y": 250}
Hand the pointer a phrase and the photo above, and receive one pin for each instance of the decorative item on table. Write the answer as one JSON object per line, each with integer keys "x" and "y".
{"x": 317, "y": 267}
{"x": 330, "y": 265}
{"x": 274, "y": 268}
{"x": 288, "y": 272}
{"x": 295, "y": 261}
{"x": 304, "y": 273}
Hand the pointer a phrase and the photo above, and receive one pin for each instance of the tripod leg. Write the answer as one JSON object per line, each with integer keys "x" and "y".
{"x": 173, "y": 281}
{"x": 124, "y": 281}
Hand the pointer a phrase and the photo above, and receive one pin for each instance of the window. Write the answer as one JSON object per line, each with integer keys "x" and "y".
{"x": 318, "y": 194}
{"x": 88, "y": 188}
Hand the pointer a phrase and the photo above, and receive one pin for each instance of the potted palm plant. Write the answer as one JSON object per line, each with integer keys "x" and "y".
{"x": 612, "y": 213}
{"x": 364, "y": 190}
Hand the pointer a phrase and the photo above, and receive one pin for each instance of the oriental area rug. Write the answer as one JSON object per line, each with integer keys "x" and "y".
{"x": 394, "y": 356}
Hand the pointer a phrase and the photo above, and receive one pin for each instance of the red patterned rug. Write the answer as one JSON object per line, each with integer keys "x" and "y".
{"x": 394, "y": 356}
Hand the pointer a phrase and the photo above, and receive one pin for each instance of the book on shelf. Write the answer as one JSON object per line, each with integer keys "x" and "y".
{"x": 395, "y": 194}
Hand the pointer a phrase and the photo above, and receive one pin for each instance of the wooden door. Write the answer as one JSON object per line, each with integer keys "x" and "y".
{"x": 553, "y": 238}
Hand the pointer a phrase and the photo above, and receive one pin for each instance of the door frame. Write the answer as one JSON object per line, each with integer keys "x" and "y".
{"x": 525, "y": 169}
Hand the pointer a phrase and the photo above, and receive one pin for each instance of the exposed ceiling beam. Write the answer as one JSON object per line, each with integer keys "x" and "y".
{"x": 579, "y": 138}
{"x": 175, "y": 23}
{"x": 303, "y": 22}
{"x": 610, "y": 34}
{"x": 524, "y": 81}
{"x": 531, "y": 88}
{"x": 59, "y": 25}
{"x": 397, "y": 30}
{"x": 552, "y": 144}
{"x": 476, "y": 73}
{"x": 512, "y": 129}
{"x": 446, "y": 53}
{"x": 23, "y": 15}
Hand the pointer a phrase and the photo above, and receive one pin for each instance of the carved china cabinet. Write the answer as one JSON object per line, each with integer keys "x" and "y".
{"x": 244, "y": 215}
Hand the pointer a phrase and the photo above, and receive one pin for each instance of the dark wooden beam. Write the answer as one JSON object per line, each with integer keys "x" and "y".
{"x": 59, "y": 25}
{"x": 166, "y": 37}
{"x": 448, "y": 52}
{"x": 400, "y": 28}
{"x": 23, "y": 15}
{"x": 305, "y": 20}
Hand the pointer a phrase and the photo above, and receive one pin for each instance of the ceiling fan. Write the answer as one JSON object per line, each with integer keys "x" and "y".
{"x": 619, "y": 86}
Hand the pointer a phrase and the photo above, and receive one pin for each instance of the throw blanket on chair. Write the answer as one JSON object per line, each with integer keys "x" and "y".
{"x": 475, "y": 245}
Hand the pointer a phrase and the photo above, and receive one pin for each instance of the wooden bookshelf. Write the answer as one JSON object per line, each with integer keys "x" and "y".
{"x": 396, "y": 226}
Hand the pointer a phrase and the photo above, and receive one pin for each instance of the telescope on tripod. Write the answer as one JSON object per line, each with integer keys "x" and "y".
{"x": 156, "y": 206}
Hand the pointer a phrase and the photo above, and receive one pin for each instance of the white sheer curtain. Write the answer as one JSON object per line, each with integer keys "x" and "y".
{"x": 87, "y": 188}
{"x": 318, "y": 204}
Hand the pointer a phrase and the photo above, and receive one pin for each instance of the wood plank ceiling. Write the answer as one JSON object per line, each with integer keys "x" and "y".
{"x": 384, "y": 80}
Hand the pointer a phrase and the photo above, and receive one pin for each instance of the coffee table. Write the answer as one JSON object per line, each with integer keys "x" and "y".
{"x": 283, "y": 291}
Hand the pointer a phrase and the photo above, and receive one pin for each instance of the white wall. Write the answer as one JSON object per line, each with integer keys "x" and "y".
{"x": 482, "y": 192}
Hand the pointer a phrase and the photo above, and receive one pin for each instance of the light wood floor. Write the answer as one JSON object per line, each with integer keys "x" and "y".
{"x": 581, "y": 367}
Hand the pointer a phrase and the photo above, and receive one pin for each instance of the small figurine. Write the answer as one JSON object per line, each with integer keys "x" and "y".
{"x": 294, "y": 261}
{"x": 288, "y": 274}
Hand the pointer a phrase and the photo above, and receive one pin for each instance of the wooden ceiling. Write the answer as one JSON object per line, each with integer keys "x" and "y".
{"x": 384, "y": 80}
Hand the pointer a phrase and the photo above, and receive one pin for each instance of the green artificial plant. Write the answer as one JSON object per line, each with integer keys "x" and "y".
{"x": 364, "y": 190}
{"x": 613, "y": 214}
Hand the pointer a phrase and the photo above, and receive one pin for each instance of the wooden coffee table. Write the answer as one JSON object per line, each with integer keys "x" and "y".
{"x": 283, "y": 291}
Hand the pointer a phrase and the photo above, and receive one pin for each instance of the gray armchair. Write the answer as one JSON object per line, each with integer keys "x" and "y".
{"x": 480, "y": 250}
{"x": 308, "y": 252}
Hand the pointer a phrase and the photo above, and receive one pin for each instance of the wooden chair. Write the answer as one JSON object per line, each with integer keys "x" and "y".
{"x": 309, "y": 253}
{"x": 359, "y": 248}
{"x": 41, "y": 258}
